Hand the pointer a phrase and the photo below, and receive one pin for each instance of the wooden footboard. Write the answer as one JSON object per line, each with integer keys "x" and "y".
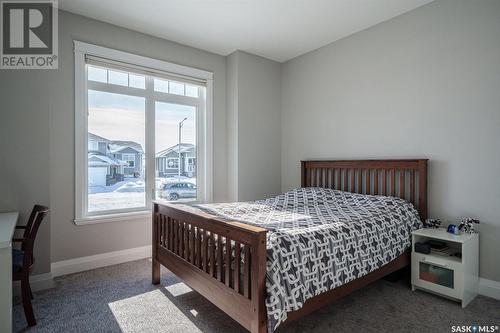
{"x": 223, "y": 261}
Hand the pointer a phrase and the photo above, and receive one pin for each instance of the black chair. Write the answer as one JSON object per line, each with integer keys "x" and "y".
{"x": 23, "y": 260}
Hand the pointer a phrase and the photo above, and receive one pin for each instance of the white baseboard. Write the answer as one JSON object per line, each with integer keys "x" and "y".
{"x": 99, "y": 260}
{"x": 489, "y": 288}
{"x": 37, "y": 282}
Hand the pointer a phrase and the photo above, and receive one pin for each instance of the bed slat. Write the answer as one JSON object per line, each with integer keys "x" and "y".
{"x": 368, "y": 182}
{"x": 204, "y": 256}
{"x": 384, "y": 182}
{"x": 353, "y": 175}
{"x": 412, "y": 187}
{"x": 359, "y": 188}
{"x": 402, "y": 179}
{"x": 237, "y": 263}
{"x": 345, "y": 181}
{"x": 212, "y": 255}
{"x": 246, "y": 271}
{"x": 227, "y": 262}
{"x": 176, "y": 235}
{"x": 393, "y": 182}
{"x": 219, "y": 259}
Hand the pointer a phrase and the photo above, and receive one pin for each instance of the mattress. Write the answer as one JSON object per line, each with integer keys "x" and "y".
{"x": 319, "y": 239}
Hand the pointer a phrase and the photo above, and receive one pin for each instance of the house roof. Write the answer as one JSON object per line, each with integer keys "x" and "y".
{"x": 97, "y": 159}
{"x": 95, "y": 137}
{"x": 185, "y": 147}
{"x": 117, "y": 146}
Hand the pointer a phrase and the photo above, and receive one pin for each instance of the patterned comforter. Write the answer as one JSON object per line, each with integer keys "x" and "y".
{"x": 320, "y": 239}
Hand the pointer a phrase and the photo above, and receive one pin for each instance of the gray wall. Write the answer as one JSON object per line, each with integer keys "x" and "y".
{"x": 424, "y": 84}
{"x": 24, "y": 138}
{"x": 37, "y": 122}
{"x": 254, "y": 127}
{"x": 232, "y": 125}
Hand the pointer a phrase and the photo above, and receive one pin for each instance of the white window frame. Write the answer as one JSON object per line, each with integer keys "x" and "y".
{"x": 204, "y": 135}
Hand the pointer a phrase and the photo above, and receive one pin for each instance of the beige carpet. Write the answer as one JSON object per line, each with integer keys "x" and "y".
{"x": 121, "y": 298}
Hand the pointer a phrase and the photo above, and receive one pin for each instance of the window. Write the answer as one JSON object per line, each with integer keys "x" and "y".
{"x": 129, "y": 159}
{"x": 191, "y": 164}
{"x": 93, "y": 145}
{"x": 104, "y": 75}
{"x": 141, "y": 127}
{"x": 173, "y": 163}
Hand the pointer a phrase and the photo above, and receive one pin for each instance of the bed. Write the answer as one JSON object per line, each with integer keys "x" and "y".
{"x": 269, "y": 262}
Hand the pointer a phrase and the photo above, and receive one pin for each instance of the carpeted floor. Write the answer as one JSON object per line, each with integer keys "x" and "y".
{"x": 121, "y": 298}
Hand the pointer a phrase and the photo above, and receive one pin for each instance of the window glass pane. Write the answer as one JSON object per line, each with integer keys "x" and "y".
{"x": 119, "y": 78}
{"x": 97, "y": 74}
{"x": 175, "y": 160}
{"x": 93, "y": 145}
{"x": 176, "y": 88}
{"x": 116, "y": 168}
{"x": 137, "y": 81}
{"x": 191, "y": 91}
{"x": 161, "y": 85}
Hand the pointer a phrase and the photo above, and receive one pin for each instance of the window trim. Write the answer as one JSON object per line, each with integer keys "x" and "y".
{"x": 204, "y": 143}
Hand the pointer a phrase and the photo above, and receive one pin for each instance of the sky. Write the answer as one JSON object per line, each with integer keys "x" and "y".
{"x": 122, "y": 117}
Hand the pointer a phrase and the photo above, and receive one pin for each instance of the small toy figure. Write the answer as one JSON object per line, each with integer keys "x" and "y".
{"x": 432, "y": 223}
{"x": 467, "y": 225}
{"x": 453, "y": 229}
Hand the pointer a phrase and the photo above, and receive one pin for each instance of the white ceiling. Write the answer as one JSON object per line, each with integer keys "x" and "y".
{"x": 275, "y": 29}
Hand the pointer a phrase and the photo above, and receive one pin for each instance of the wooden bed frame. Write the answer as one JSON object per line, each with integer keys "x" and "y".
{"x": 192, "y": 244}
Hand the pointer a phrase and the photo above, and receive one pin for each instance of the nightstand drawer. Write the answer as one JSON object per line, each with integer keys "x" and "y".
{"x": 437, "y": 274}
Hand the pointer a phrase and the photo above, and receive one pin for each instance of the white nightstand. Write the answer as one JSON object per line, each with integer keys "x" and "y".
{"x": 444, "y": 274}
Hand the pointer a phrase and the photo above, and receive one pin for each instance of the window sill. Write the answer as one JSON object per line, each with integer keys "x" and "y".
{"x": 145, "y": 214}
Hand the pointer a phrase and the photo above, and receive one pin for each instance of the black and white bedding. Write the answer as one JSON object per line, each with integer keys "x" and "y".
{"x": 320, "y": 239}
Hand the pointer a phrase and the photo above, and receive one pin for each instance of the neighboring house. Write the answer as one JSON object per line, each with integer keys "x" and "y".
{"x": 104, "y": 170}
{"x": 130, "y": 152}
{"x": 97, "y": 143}
{"x": 167, "y": 161}
{"x": 109, "y": 161}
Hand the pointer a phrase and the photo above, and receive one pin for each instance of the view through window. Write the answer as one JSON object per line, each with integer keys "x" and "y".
{"x": 175, "y": 158}
{"x": 116, "y": 169}
{"x": 119, "y": 104}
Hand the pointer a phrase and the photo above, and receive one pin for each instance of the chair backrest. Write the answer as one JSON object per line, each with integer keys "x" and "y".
{"x": 37, "y": 215}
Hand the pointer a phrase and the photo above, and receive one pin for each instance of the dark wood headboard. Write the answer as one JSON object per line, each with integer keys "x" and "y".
{"x": 405, "y": 179}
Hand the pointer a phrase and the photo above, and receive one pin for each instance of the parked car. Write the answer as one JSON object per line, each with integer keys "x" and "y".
{"x": 176, "y": 191}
